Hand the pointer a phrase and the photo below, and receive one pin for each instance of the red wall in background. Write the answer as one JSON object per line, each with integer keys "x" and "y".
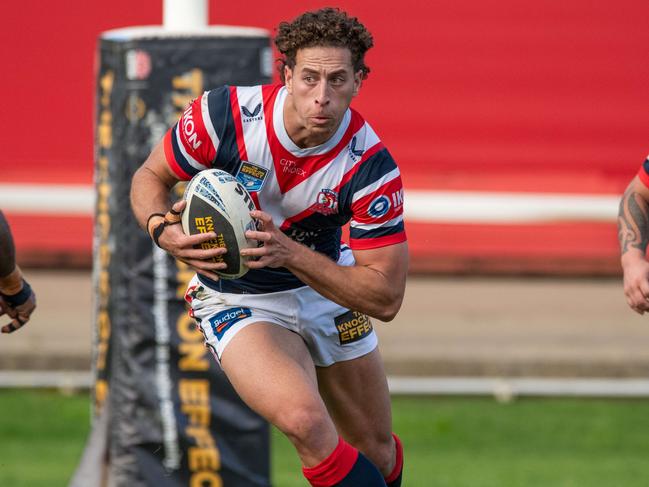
{"x": 467, "y": 94}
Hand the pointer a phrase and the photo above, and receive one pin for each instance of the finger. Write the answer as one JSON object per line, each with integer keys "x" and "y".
{"x": 264, "y": 261}
{"x": 638, "y": 298}
{"x": 203, "y": 272}
{"x": 254, "y": 252}
{"x": 179, "y": 205}
{"x": 644, "y": 290}
{"x": 211, "y": 275}
{"x": 198, "y": 238}
{"x": 206, "y": 265}
{"x": 203, "y": 254}
{"x": 15, "y": 324}
{"x": 263, "y": 217}
{"x": 257, "y": 235}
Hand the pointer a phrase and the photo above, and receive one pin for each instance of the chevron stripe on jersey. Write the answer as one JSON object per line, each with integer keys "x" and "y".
{"x": 309, "y": 192}
{"x": 194, "y": 142}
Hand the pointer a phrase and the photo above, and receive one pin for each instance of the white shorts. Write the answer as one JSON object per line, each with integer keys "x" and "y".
{"x": 331, "y": 333}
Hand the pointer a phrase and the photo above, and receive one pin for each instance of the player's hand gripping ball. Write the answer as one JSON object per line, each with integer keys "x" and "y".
{"x": 218, "y": 202}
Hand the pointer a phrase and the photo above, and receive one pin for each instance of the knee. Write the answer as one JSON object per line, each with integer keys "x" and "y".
{"x": 380, "y": 450}
{"x": 304, "y": 424}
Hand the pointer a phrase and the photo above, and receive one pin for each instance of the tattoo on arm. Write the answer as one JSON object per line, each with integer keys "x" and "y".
{"x": 7, "y": 250}
{"x": 633, "y": 222}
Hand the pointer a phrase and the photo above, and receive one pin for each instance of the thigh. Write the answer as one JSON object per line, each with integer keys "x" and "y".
{"x": 270, "y": 368}
{"x": 357, "y": 397}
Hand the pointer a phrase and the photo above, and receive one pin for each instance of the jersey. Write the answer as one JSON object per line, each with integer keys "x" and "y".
{"x": 643, "y": 173}
{"x": 309, "y": 192}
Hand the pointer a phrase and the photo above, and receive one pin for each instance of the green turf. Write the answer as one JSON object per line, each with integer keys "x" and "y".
{"x": 481, "y": 443}
{"x": 41, "y": 437}
{"x": 449, "y": 442}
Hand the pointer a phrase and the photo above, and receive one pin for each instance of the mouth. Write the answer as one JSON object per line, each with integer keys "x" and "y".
{"x": 320, "y": 119}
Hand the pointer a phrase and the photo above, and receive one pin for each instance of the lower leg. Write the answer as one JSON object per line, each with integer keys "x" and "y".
{"x": 345, "y": 467}
{"x": 393, "y": 479}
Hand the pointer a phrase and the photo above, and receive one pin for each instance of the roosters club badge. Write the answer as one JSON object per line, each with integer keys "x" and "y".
{"x": 326, "y": 202}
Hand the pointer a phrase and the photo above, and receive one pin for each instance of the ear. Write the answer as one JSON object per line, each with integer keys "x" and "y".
{"x": 358, "y": 81}
{"x": 288, "y": 79}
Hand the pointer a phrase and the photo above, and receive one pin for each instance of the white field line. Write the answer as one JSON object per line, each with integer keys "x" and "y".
{"x": 503, "y": 389}
{"x": 63, "y": 199}
{"x": 420, "y": 206}
{"x": 508, "y": 388}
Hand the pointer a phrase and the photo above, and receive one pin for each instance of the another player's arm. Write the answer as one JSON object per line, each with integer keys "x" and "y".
{"x": 150, "y": 201}
{"x": 17, "y": 299}
{"x": 375, "y": 285}
{"x": 633, "y": 234}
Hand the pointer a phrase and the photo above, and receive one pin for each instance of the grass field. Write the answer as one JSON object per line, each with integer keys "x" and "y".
{"x": 449, "y": 442}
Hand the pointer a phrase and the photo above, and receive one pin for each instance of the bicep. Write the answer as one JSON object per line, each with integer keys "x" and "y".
{"x": 157, "y": 165}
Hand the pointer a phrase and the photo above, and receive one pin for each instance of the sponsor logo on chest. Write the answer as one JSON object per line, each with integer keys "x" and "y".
{"x": 291, "y": 167}
{"x": 354, "y": 152}
{"x": 251, "y": 116}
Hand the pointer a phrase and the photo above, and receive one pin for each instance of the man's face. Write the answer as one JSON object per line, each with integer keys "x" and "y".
{"x": 321, "y": 87}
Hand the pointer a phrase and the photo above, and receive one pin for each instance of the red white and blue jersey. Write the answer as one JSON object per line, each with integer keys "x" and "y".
{"x": 310, "y": 193}
{"x": 643, "y": 173}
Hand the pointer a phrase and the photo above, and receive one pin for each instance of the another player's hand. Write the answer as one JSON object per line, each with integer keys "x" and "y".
{"x": 636, "y": 284}
{"x": 277, "y": 248}
{"x": 181, "y": 246}
{"x": 19, "y": 313}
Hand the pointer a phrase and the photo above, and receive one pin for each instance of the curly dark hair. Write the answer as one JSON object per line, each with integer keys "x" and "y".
{"x": 327, "y": 27}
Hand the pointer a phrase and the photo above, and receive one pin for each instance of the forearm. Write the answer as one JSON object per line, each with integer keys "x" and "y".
{"x": 7, "y": 249}
{"x": 11, "y": 277}
{"x": 633, "y": 225}
{"x": 357, "y": 287}
{"x": 149, "y": 194}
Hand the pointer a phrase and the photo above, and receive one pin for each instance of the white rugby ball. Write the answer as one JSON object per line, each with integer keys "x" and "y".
{"x": 218, "y": 202}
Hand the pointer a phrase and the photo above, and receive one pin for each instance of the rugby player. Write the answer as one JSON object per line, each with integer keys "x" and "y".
{"x": 633, "y": 233}
{"x": 17, "y": 299}
{"x": 293, "y": 335}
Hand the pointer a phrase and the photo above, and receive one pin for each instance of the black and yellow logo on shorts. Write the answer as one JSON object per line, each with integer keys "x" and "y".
{"x": 352, "y": 326}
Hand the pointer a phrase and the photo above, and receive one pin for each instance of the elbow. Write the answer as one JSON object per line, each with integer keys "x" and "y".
{"x": 389, "y": 310}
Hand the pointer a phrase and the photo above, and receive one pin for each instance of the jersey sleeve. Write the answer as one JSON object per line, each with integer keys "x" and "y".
{"x": 643, "y": 173}
{"x": 192, "y": 143}
{"x": 377, "y": 209}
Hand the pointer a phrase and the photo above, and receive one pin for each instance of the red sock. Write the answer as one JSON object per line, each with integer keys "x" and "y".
{"x": 398, "y": 465}
{"x": 334, "y": 468}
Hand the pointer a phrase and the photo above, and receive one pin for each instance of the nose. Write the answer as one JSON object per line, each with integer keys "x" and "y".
{"x": 322, "y": 94}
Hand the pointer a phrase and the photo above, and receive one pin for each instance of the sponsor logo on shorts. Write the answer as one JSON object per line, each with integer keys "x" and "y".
{"x": 251, "y": 176}
{"x": 194, "y": 292}
{"x": 223, "y": 320}
{"x": 352, "y": 326}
